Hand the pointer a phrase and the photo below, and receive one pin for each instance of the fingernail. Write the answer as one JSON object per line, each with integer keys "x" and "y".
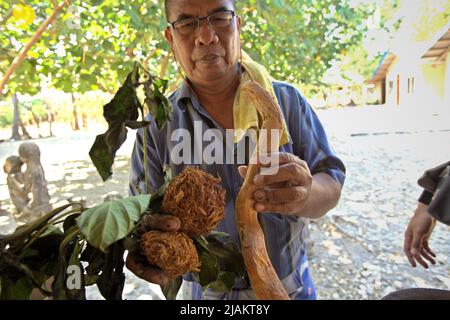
{"x": 259, "y": 207}
{"x": 173, "y": 224}
{"x": 258, "y": 179}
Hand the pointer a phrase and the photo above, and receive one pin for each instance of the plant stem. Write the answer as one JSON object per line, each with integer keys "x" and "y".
{"x": 39, "y": 223}
{"x": 38, "y": 233}
{"x": 67, "y": 239}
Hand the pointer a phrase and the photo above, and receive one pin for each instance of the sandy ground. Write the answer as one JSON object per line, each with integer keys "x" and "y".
{"x": 357, "y": 248}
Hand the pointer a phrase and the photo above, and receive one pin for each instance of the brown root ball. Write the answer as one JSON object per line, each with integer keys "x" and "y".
{"x": 197, "y": 199}
{"x": 173, "y": 252}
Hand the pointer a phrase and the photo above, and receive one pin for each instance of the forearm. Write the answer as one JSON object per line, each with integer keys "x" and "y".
{"x": 324, "y": 196}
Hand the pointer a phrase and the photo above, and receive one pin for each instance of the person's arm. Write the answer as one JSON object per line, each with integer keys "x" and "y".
{"x": 313, "y": 147}
{"x": 308, "y": 182}
{"x": 294, "y": 191}
{"x": 324, "y": 196}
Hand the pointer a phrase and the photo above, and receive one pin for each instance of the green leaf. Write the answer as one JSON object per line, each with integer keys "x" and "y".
{"x": 42, "y": 255}
{"x": 221, "y": 262}
{"x": 171, "y": 289}
{"x": 103, "y": 152}
{"x": 137, "y": 124}
{"x": 122, "y": 111}
{"x": 19, "y": 290}
{"x": 227, "y": 254}
{"x": 51, "y": 230}
{"x": 122, "y": 108}
{"x": 159, "y": 106}
{"x": 96, "y": 2}
{"x": 70, "y": 221}
{"x": 112, "y": 221}
{"x": 209, "y": 271}
{"x": 125, "y": 105}
{"x": 134, "y": 16}
{"x": 224, "y": 282}
{"x": 95, "y": 259}
{"x": 112, "y": 279}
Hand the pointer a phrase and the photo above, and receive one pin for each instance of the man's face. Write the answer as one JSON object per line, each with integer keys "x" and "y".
{"x": 210, "y": 53}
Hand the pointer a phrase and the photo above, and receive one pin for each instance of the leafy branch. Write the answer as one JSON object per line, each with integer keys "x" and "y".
{"x": 94, "y": 240}
{"x": 123, "y": 112}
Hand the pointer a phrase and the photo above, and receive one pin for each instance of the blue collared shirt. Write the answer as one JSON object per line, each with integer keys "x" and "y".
{"x": 285, "y": 235}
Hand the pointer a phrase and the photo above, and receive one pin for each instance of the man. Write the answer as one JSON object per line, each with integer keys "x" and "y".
{"x": 205, "y": 39}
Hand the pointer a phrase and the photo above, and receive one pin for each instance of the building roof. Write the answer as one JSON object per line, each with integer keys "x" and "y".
{"x": 383, "y": 67}
{"x": 439, "y": 47}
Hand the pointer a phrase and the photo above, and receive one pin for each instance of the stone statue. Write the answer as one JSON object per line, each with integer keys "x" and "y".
{"x": 15, "y": 181}
{"x": 34, "y": 182}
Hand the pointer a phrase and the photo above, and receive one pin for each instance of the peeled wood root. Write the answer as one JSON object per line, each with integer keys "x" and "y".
{"x": 265, "y": 282}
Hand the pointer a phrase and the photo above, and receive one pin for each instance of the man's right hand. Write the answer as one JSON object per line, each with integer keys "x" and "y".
{"x": 417, "y": 235}
{"x": 138, "y": 264}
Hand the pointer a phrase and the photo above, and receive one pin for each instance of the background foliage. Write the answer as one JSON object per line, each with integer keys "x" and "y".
{"x": 92, "y": 45}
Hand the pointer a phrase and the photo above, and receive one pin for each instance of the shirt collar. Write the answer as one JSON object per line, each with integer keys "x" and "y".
{"x": 184, "y": 93}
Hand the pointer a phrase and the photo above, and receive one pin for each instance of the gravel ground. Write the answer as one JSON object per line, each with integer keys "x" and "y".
{"x": 356, "y": 249}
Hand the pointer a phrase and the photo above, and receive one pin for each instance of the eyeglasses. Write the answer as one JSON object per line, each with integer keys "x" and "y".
{"x": 216, "y": 20}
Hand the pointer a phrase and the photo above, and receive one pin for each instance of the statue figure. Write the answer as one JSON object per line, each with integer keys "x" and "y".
{"x": 15, "y": 181}
{"x": 34, "y": 182}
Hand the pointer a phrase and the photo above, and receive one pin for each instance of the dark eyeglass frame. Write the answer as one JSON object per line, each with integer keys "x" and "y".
{"x": 198, "y": 21}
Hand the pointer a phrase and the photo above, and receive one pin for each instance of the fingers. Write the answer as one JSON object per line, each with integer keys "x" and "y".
{"x": 428, "y": 250}
{"x": 162, "y": 222}
{"x": 280, "y": 158}
{"x": 291, "y": 172}
{"x": 280, "y": 195}
{"x": 282, "y": 208}
{"x": 137, "y": 264}
{"x": 407, "y": 247}
{"x": 420, "y": 260}
{"x": 243, "y": 171}
{"x": 416, "y": 249}
{"x": 282, "y": 167}
{"x": 427, "y": 256}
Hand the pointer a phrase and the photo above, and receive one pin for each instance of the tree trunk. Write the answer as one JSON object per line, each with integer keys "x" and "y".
{"x": 36, "y": 121}
{"x": 25, "y": 134}
{"x": 50, "y": 118}
{"x": 16, "y": 120}
{"x": 75, "y": 124}
{"x": 84, "y": 119}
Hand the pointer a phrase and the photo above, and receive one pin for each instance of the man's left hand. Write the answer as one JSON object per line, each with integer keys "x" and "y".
{"x": 285, "y": 192}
